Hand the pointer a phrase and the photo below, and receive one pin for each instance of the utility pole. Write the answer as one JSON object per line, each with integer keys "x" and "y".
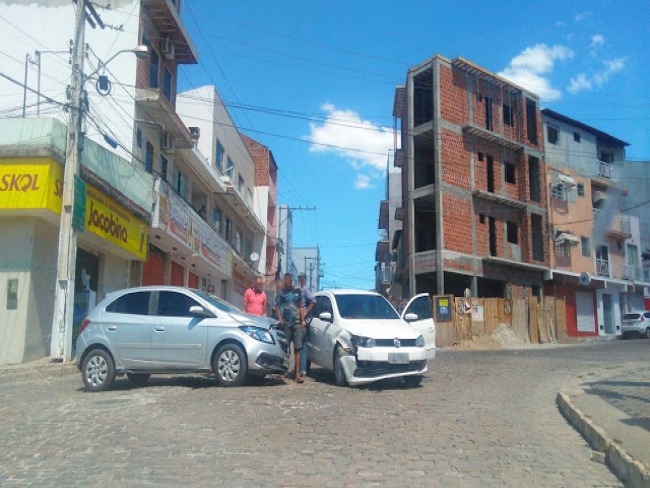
{"x": 61, "y": 345}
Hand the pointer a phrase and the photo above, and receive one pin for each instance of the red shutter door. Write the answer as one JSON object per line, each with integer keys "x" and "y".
{"x": 153, "y": 271}
{"x": 178, "y": 273}
{"x": 193, "y": 281}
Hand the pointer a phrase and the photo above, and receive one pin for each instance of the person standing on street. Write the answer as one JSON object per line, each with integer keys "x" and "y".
{"x": 255, "y": 298}
{"x": 308, "y": 303}
{"x": 292, "y": 319}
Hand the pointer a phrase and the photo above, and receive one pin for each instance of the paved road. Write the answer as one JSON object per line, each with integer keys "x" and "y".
{"x": 479, "y": 419}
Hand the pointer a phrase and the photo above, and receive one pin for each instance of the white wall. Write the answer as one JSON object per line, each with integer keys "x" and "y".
{"x": 50, "y": 29}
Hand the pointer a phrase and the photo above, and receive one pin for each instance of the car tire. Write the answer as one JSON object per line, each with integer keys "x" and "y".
{"x": 229, "y": 365}
{"x": 98, "y": 370}
{"x": 339, "y": 373}
{"x": 647, "y": 333}
{"x": 138, "y": 379}
{"x": 308, "y": 368}
{"x": 413, "y": 381}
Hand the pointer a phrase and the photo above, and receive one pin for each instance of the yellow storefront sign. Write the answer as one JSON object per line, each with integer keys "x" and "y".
{"x": 36, "y": 183}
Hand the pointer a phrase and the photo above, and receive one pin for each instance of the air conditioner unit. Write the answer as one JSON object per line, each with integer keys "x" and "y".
{"x": 167, "y": 143}
{"x": 167, "y": 48}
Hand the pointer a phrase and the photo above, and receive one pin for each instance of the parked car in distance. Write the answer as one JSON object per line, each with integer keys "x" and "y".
{"x": 636, "y": 323}
{"x": 361, "y": 338}
{"x": 166, "y": 329}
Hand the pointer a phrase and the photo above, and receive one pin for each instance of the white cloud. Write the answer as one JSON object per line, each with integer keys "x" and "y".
{"x": 343, "y": 132}
{"x": 582, "y": 82}
{"x": 531, "y": 67}
{"x": 362, "y": 182}
{"x": 597, "y": 40}
{"x": 560, "y": 23}
{"x": 581, "y": 16}
{"x": 579, "y": 83}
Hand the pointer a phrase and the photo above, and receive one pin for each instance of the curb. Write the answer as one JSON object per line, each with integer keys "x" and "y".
{"x": 47, "y": 371}
{"x": 631, "y": 472}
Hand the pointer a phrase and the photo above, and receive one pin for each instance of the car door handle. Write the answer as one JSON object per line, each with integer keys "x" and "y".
{"x": 159, "y": 328}
{"x": 112, "y": 328}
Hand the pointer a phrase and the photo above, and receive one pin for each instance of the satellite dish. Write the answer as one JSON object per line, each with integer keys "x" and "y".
{"x": 585, "y": 279}
{"x": 254, "y": 257}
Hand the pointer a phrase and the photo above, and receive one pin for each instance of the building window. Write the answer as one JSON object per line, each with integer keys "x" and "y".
{"x": 228, "y": 230}
{"x": 576, "y": 137}
{"x": 167, "y": 85}
{"x": 240, "y": 184}
{"x": 154, "y": 64}
{"x": 249, "y": 198}
{"x": 533, "y": 179}
{"x": 217, "y": 220}
{"x": 180, "y": 183}
{"x": 538, "y": 237}
{"x": 248, "y": 250}
{"x": 163, "y": 167}
{"x": 148, "y": 158}
{"x": 552, "y": 135}
{"x": 581, "y": 189}
{"x": 488, "y": 113}
{"x": 230, "y": 169}
{"x": 562, "y": 249}
{"x": 559, "y": 192}
{"x": 586, "y": 246}
{"x": 138, "y": 137}
{"x": 480, "y": 156}
{"x": 481, "y": 218}
{"x": 531, "y": 121}
{"x": 238, "y": 241}
{"x": 511, "y": 173}
{"x": 606, "y": 157}
{"x": 513, "y": 233}
{"x": 218, "y": 158}
{"x": 507, "y": 115}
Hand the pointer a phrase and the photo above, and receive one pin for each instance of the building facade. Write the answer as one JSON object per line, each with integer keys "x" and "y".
{"x": 473, "y": 193}
{"x": 595, "y": 257}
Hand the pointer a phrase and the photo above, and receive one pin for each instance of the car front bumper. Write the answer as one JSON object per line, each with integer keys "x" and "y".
{"x": 264, "y": 358}
{"x": 372, "y": 364}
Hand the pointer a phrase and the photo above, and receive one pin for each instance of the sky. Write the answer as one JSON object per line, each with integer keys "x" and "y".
{"x": 315, "y": 81}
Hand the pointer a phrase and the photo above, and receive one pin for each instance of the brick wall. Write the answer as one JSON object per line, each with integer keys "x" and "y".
{"x": 457, "y": 214}
{"x": 455, "y": 155}
{"x": 453, "y": 95}
{"x": 261, "y": 157}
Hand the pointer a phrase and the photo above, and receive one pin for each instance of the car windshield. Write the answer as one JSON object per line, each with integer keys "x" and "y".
{"x": 632, "y": 316}
{"x": 365, "y": 307}
{"x": 217, "y": 302}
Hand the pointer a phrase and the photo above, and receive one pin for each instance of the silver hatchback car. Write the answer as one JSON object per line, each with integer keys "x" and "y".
{"x": 166, "y": 329}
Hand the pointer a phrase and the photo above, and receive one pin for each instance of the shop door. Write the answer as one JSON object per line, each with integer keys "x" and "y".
{"x": 153, "y": 271}
{"x": 178, "y": 275}
{"x": 608, "y": 314}
{"x": 85, "y": 297}
{"x": 192, "y": 281}
{"x": 585, "y": 311}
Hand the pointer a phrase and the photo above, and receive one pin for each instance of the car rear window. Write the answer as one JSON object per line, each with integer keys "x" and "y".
{"x": 136, "y": 303}
{"x": 632, "y": 316}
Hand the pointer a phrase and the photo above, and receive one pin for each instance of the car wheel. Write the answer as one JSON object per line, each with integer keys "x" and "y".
{"x": 647, "y": 333}
{"x": 138, "y": 378}
{"x": 413, "y": 381}
{"x": 339, "y": 373}
{"x": 308, "y": 367}
{"x": 98, "y": 370}
{"x": 230, "y": 365}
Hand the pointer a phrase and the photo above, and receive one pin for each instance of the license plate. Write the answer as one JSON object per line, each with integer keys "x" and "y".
{"x": 398, "y": 358}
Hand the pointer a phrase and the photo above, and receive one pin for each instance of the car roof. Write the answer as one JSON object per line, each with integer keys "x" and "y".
{"x": 339, "y": 291}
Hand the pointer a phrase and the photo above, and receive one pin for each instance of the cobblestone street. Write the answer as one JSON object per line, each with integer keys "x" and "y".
{"x": 479, "y": 419}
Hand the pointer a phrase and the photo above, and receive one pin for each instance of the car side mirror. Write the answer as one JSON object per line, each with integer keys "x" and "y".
{"x": 411, "y": 317}
{"x": 200, "y": 312}
{"x": 325, "y": 317}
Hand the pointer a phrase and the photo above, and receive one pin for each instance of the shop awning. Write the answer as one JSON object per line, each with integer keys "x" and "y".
{"x": 567, "y": 238}
{"x": 560, "y": 179}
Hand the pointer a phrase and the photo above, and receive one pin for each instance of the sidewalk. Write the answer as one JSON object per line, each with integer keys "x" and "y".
{"x": 40, "y": 369}
{"x": 612, "y": 412}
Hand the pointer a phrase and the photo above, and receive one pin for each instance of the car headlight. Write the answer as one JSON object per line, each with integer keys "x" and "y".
{"x": 419, "y": 342}
{"x": 258, "y": 334}
{"x": 358, "y": 341}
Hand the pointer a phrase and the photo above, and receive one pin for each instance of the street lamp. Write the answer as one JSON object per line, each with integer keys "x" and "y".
{"x": 61, "y": 341}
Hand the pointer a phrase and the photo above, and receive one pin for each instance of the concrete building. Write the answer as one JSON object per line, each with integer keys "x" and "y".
{"x": 390, "y": 228}
{"x": 284, "y": 242}
{"x": 473, "y": 198}
{"x": 635, "y": 203}
{"x": 589, "y": 235}
{"x": 307, "y": 260}
{"x": 266, "y": 196}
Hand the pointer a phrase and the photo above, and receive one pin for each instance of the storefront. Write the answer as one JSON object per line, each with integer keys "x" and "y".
{"x": 30, "y": 206}
{"x": 188, "y": 251}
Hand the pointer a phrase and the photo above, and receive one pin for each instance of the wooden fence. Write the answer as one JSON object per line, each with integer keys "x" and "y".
{"x": 532, "y": 320}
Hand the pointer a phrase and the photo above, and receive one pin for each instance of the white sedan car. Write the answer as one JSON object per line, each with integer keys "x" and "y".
{"x": 360, "y": 336}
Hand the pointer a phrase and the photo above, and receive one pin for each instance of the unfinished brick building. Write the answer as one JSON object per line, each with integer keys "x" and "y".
{"x": 473, "y": 208}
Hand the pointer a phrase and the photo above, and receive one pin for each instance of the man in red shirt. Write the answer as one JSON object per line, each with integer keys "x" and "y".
{"x": 255, "y": 298}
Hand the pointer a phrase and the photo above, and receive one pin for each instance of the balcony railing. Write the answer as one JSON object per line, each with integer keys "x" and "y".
{"x": 632, "y": 273}
{"x": 609, "y": 171}
{"x": 386, "y": 273}
{"x": 602, "y": 268}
